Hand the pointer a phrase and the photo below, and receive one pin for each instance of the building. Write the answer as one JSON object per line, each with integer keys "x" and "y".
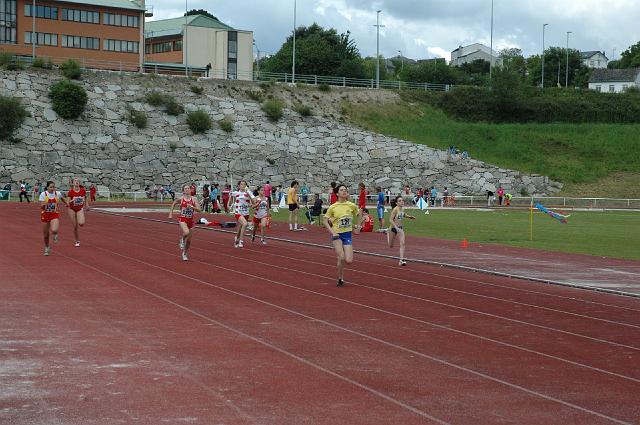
{"x": 99, "y": 33}
{"x": 473, "y": 52}
{"x": 199, "y": 40}
{"x": 594, "y": 59}
{"x": 614, "y": 80}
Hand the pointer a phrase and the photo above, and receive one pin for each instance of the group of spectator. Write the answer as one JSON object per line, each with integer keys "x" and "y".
{"x": 504, "y": 198}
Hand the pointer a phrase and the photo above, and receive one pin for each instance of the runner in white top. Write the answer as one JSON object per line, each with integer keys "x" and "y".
{"x": 241, "y": 200}
{"x": 261, "y": 215}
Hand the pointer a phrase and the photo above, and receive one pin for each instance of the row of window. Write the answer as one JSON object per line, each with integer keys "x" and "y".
{"x": 612, "y": 88}
{"x": 79, "y": 42}
{"x": 42, "y": 39}
{"x": 87, "y": 16}
{"x": 8, "y": 21}
{"x": 121, "y": 46}
{"x": 167, "y": 46}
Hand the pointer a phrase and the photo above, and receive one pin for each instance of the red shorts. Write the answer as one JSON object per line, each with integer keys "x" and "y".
{"x": 75, "y": 208}
{"x": 246, "y": 217}
{"x": 47, "y": 217}
{"x": 257, "y": 220}
{"x": 189, "y": 221}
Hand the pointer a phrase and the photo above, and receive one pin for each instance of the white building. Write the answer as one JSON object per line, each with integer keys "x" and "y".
{"x": 614, "y": 80}
{"x": 594, "y": 59}
{"x": 472, "y": 52}
{"x": 199, "y": 41}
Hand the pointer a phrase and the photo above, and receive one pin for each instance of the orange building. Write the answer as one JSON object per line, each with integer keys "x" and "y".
{"x": 99, "y": 33}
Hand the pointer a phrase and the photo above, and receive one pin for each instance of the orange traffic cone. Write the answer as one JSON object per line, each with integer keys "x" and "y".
{"x": 464, "y": 244}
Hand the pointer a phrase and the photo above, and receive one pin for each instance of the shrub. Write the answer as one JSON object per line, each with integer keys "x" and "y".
{"x": 38, "y": 63}
{"x": 6, "y": 58}
{"x": 71, "y": 69}
{"x": 12, "y": 115}
{"x": 155, "y": 98}
{"x": 255, "y": 95}
{"x": 273, "y": 109}
{"x": 197, "y": 89}
{"x": 15, "y": 66}
{"x": 226, "y": 125}
{"x": 68, "y": 99}
{"x": 303, "y": 110}
{"x": 172, "y": 107}
{"x": 173, "y": 146}
{"x": 138, "y": 118}
{"x": 324, "y": 87}
{"x": 199, "y": 121}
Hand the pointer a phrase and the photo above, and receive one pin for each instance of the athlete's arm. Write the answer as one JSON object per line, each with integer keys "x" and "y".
{"x": 173, "y": 205}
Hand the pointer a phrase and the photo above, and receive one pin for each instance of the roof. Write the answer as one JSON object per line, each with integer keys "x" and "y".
{"x": 119, "y": 4}
{"x": 590, "y": 54}
{"x": 614, "y": 75}
{"x": 174, "y": 26}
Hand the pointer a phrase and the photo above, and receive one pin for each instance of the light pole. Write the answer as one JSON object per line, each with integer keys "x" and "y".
{"x": 566, "y": 80}
{"x": 293, "y": 68}
{"x": 34, "y": 37}
{"x": 184, "y": 40}
{"x": 258, "y": 61}
{"x": 491, "y": 48}
{"x": 377, "y": 25}
{"x": 401, "y": 61}
{"x": 544, "y": 26}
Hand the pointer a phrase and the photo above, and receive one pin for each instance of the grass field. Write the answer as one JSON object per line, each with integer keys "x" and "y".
{"x": 583, "y": 156}
{"x": 608, "y": 234}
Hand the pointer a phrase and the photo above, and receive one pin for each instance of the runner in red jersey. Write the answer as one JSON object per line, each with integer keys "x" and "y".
{"x": 188, "y": 204}
{"x": 50, "y": 216}
{"x": 261, "y": 215}
{"x": 241, "y": 200}
{"x": 77, "y": 197}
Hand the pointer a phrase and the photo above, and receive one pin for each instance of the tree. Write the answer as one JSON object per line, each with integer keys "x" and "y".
{"x": 199, "y": 12}
{"x": 319, "y": 52}
{"x": 370, "y": 65}
{"x": 630, "y": 58}
{"x": 513, "y": 61}
{"x": 432, "y": 72}
{"x": 555, "y": 61}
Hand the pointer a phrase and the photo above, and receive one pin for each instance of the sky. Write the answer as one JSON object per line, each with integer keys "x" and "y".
{"x": 423, "y": 29}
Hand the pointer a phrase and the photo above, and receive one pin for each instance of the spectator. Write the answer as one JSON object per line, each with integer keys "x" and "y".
{"x": 445, "y": 196}
{"x": 500, "y": 195}
{"x": 168, "y": 189}
{"x": 225, "y": 197}
{"x": 213, "y": 196}
{"x": 304, "y": 193}
{"x": 208, "y": 68}
{"x": 367, "y": 221}
{"x": 333, "y": 197}
{"x": 92, "y": 193}
{"x": 206, "y": 200}
{"x": 507, "y": 199}
{"x": 434, "y": 196}
{"x": 315, "y": 211}
{"x": 380, "y": 207}
{"x": 193, "y": 189}
{"x": 267, "y": 192}
{"x": 490, "y": 198}
{"x": 362, "y": 196}
{"x": 24, "y": 191}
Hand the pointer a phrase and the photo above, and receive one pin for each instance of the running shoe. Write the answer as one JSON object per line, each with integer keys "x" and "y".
{"x": 47, "y": 250}
{"x": 235, "y": 242}
{"x": 340, "y": 283}
{"x": 184, "y": 256}
{"x": 77, "y": 243}
{"x": 402, "y": 263}
{"x": 263, "y": 242}
{"x": 55, "y": 238}
{"x": 240, "y": 244}
{"x": 253, "y": 238}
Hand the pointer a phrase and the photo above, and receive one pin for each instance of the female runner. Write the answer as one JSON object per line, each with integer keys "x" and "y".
{"x": 188, "y": 204}
{"x": 49, "y": 216}
{"x": 395, "y": 226}
{"x": 261, "y": 215}
{"x": 241, "y": 201}
{"x": 77, "y": 196}
{"x": 339, "y": 222}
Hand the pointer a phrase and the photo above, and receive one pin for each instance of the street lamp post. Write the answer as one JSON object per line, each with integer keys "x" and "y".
{"x": 566, "y": 80}
{"x": 491, "y": 48}
{"x": 293, "y": 68}
{"x": 258, "y": 60}
{"x": 401, "y": 61}
{"x": 34, "y": 37}
{"x": 544, "y": 26}
{"x": 184, "y": 40}
{"x": 377, "y": 25}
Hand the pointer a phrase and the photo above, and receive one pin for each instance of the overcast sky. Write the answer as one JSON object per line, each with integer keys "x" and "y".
{"x": 432, "y": 28}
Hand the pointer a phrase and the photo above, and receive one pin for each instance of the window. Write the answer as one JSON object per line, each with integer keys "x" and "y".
{"x": 162, "y": 47}
{"x": 8, "y": 22}
{"x": 78, "y": 42}
{"x": 232, "y": 55}
{"x": 120, "y": 20}
{"x": 44, "y": 12}
{"x": 85, "y": 16}
{"x": 121, "y": 46}
{"x": 612, "y": 88}
{"x": 177, "y": 46}
{"x": 42, "y": 39}
{"x": 625, "y": 87}
{"x": 598, "y": 88}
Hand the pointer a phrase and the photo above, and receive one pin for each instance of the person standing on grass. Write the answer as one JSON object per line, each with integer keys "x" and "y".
{"x": 78, "y": 204}
{"x": 380, "y": 208}
{"x": 500, "y": 195}
{"x": 267, "y": 192}
{"x": 92, "y": 193}
{"x": 188, "y": 204}
{"x": 241, "y": 200}
{"x": 395, "y": 228}
{"x": 362, "y": 196}
{"x": 24, "y": 191}
{"x": 49, "y": 214}
{"x": 338, "y": 220}
{"x": 292, "y": 202}
{"x": 226, "y": 192}
{"x": 261, "y": 216}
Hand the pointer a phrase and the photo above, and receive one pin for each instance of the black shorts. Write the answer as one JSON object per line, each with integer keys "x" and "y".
{"x": 393, "y": 229}
{"x": 293, "y": 207}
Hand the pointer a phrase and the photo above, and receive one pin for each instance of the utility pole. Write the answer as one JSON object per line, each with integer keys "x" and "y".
{"x": 377, "y": 25}
{"x": 544, "y": 26}
{"x": 34, "y": 37}
{"x": 491, "y": 63}
{"x": 293, "y": 70}
{"x": 184, "y": 40}
{"x": 566, "y": 82}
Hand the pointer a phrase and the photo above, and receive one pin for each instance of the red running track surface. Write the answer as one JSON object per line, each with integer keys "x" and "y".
{"x": 121, "y": 331}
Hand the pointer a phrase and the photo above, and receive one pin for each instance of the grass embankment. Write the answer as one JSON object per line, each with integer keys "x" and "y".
{"x": 608, "y": 234}
{"x": 590, "y": 159}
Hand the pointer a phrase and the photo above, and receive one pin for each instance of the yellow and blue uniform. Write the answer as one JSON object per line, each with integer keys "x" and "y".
{"x": 341, "y": 215}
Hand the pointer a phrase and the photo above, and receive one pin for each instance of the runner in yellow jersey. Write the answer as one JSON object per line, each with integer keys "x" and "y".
{"x": 339, "y": 221}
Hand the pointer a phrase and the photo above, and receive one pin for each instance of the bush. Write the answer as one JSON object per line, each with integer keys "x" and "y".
{"x": 71, "y": 69}
{"x": 199, "y": 121}
{"x": 15, "y": 66}
{"x": 68, "y": 99}
{"x": 197, "y": 89}
{"x": 12, "y": 115}
{"x": 226, "y": 125}
{"x": 6, "y": 58}
{"x": 155, "y": 98}
{"x": 173, "y": 146}
{"x": 324, "y": 87}
{"x": 255, "y": 95}
{"x": 138, "y": 118}
{"x": 38, "y": 63}
{"x": 172, "y": 107}
{"x": 303, "y": 110}
{"x": 273, "y": 109}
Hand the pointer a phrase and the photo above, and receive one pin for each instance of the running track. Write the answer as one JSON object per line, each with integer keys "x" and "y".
{"x": 121, "y": 331}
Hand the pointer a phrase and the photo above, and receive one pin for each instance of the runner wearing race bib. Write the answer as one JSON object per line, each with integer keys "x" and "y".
{"x": 339, "y": 221}
{"x": 241, "y": 200}
{"x": 261, "y": 214}
{"x": 396, "y": 228}
{"x": 77, "y": 196}
{"x": 188, "y": 204}
{"x": 49, "y": 214}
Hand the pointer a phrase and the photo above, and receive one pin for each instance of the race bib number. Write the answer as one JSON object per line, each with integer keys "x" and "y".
{"x": 78, "y": 200}
{"x": 243, "y": 210}
{"x": 345, "y": 222}
{"x": 50, "y": 208}
{"x": 187, "y": 213}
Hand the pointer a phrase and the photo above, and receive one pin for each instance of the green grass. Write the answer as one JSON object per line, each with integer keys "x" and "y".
{"x": 607, "y": 234}
{"x": 576, "y": 154}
